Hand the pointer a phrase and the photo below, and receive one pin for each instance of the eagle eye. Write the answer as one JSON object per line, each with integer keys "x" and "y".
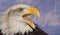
{"x": 20, "y": 9}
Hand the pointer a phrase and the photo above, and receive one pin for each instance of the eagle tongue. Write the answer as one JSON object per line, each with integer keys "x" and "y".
{"x": 28, "y": 17}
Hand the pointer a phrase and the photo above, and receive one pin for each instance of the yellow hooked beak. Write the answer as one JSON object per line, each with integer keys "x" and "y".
{"x": 34, "y": 11}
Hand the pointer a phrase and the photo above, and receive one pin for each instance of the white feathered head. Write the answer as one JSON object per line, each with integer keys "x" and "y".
{"x": 16, "y": 19}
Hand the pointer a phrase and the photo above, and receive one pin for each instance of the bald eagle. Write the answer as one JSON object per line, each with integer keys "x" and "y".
{"x": 16, "y": 21}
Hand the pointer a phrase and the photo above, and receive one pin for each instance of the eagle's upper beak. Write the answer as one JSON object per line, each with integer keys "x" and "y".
{"x": 34, "y": 11}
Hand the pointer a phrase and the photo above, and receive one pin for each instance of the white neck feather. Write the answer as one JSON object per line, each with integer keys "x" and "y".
{"x": 15, "y": 25}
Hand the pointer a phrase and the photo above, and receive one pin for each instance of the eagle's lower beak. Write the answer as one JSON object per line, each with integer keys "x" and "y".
{"x": 34, "y": 11}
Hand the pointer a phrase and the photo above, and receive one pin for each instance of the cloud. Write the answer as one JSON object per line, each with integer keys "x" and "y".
{"x": 54, "y": 19}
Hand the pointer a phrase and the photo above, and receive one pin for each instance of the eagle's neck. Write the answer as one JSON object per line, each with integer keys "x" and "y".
{"x": 16, "y": 25}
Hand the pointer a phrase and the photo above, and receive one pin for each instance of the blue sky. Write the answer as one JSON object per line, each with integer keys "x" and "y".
{"x": 50, "y": 13}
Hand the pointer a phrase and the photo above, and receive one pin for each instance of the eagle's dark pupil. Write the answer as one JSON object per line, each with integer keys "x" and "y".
{"x": 20, "y": 9}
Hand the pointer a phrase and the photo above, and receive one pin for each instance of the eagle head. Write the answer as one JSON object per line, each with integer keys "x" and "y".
{"x": 17, "y": 19}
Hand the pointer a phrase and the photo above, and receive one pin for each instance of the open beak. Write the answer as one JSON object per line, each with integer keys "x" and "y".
{"x": 34, "y": 11}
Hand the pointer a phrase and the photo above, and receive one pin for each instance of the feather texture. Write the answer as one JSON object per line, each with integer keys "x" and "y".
{"x": 12, "y": 23}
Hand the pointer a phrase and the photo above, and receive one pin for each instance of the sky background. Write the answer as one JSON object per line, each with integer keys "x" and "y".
{"x": 49, "y": 20}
